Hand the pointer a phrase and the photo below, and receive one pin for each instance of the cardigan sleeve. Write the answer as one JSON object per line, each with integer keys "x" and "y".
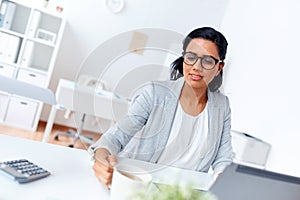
{"x": 224, "y": 155}
{"x": 118, "y": 136}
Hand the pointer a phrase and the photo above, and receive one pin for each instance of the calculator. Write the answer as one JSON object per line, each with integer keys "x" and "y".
{"x": 23, "y": 171}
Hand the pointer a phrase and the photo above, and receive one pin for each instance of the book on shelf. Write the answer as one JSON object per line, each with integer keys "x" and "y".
{"x": 3, "y": 7}
{"x": 9, "y": 15}
{"x": 9, "y": 48}
{"x": 27, "y": 54}
{"x": 2, "y": 45}
{"x": 34, "y": 23}
{"x": 7, "y": 12}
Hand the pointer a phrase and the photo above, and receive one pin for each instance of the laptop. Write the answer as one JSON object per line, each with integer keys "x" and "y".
{"x": 239, "y": 182}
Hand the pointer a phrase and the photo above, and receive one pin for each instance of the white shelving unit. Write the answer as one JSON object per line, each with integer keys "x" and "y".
{"x": 29, "y": 41}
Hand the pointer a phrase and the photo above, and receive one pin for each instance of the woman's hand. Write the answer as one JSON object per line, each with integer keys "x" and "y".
{"x": 103, "y": 166}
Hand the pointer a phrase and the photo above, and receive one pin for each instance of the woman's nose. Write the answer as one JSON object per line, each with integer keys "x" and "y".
{"x": 197, "y": 65}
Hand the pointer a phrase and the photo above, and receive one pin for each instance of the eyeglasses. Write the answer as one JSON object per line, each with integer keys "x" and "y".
{"x": 207, "y": 62}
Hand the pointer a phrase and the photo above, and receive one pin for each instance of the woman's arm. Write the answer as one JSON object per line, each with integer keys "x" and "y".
{"x": 224, "y": 155}
{"x": 103, "y": 166}
{"x": 117, "y": 137}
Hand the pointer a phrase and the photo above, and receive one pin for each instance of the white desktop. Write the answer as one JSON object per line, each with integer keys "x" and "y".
{"x": 27, "y": 90}
{"x": 71, "y": 171}
{"x": 87, "y": 100}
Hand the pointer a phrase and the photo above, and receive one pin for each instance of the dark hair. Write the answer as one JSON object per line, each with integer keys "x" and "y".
{"x": 208, "y": 34}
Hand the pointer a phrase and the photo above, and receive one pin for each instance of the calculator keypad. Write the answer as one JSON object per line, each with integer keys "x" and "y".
{"x": 23, "y": 170}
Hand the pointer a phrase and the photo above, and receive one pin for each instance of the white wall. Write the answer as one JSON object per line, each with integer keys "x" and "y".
{"x": 261, "y": 71}
{"x": 90, "y": 24}
{"x": 261, "y": 75}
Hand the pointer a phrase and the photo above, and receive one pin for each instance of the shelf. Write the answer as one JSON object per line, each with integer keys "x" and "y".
{"x": 16, "y": 16}
{"x": 29, "y": 43}
{"x": 10, "y": 64}
{"x": 41, "y": 41}
{"x": 34, "y": 69}
{"x": 36, "y": 55}
{"x": 3, "y": 30}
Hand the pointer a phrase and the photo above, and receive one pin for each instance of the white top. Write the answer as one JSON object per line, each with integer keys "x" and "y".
{"x": 187, "y": 141}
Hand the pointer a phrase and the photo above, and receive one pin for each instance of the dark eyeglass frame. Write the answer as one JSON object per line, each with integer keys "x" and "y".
{"x": 201, "y": 58}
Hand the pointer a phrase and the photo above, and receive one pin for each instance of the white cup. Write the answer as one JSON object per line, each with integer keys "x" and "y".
{"x": 128, "y": 181}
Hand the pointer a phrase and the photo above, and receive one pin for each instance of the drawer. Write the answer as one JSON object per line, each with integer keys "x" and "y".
{"x": 32, "y": 77}
{"x": 3, "y": 105}
{"x": 7, "y": 70}
{"x": 21, "y": 112}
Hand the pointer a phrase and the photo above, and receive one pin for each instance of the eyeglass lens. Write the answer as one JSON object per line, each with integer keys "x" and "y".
{"x": 207, "y": 62}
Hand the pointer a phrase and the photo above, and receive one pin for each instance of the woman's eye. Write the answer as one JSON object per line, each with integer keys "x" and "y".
{"x": 209, "y": 61}
{"x": 191, "y": 58}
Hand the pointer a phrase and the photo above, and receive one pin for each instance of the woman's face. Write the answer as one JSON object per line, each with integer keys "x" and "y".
{"x": 196, "y": 76}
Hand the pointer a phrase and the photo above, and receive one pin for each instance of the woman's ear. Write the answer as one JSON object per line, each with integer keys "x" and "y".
{"x": 221, "y": 66}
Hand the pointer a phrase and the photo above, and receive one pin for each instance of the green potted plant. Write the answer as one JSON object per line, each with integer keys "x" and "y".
{"x": 175, "y": 192}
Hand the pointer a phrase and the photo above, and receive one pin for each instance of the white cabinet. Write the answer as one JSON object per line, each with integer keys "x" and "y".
{"x": 29, "y": 42}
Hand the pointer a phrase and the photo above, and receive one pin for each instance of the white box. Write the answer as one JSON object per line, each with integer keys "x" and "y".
{"x": 7, "y": 70}
{"x": 32, "y": 77}
{"x": 249, "y": 150}
{"x": 46, "y": 35}
{"x": 21, "y": 112}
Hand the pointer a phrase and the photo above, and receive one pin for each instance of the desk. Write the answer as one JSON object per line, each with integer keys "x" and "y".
{"x": 88, "y": 100}
{"x": 72, "y": 176}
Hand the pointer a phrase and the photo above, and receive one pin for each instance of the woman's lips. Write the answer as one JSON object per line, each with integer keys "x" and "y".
{"x": 195, "y": 77}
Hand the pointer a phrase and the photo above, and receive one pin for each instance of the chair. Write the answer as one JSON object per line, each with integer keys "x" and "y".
{"x": 130, "y": 83}
{"x": 77, "y": 134}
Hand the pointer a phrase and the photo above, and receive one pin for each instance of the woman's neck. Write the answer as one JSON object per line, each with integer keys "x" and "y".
{"x": 193, "y": 101}
{"x": 190, "y": 94}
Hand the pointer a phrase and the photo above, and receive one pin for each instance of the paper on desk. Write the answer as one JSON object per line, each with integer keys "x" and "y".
{"x": 172, "y": 175}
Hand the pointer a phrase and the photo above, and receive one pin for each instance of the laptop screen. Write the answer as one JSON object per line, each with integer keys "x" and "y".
{"x": 240, "y": 182}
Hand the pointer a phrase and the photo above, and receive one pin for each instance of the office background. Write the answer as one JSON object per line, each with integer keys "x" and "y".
{"x": 261, "y": 72}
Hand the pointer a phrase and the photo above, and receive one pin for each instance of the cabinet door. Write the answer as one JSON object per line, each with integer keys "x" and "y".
{"x": 32, "y": 77}
{"x": 21, "y": 112}
{"x": 3, "y": 105}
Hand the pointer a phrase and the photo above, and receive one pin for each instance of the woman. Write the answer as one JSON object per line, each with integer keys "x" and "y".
{"x": 184, "y": 122}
